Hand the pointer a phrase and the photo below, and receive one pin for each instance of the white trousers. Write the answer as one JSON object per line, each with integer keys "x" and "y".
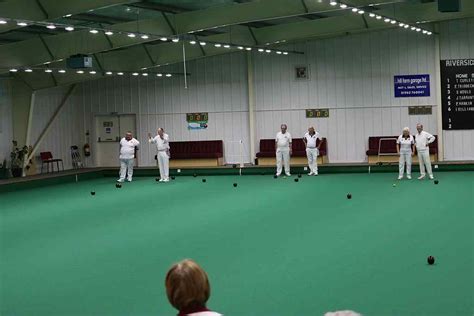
{"x": 424, "y": 160}
{"x": 163, "y": 164}
{"x": 405, "y": 158}
{"x": 283, "y": 156}
{"x": 126, "y": 168}
{"x": 312, "y": 154}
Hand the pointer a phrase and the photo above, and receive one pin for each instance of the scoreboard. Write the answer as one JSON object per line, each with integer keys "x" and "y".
{"x": 457, "y": 93}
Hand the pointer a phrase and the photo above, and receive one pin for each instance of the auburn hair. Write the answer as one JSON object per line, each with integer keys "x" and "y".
{"x": 187, "y": 285}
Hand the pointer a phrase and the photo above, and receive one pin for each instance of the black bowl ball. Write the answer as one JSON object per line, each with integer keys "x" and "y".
{"x": 299, "y": 175}
{"x": 203, "y": 180}
{"x": 118, "y": 185}
{"x": 349, "y": 196}
{"x": 431, "y": 260}
{"x": 296, "y": 180}
{"x": 235, "y": 185}
{"x": 172, "y": 177}
{"x": 436, "y": 181}
{"x": 92, "y": 192}
{"x": 275, "y": 176}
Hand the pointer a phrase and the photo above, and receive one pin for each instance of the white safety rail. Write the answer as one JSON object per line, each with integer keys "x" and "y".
{"x": 235, "y": 152}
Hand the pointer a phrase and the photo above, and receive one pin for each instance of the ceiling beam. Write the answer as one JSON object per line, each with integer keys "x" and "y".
{"x": 50, "y": 9}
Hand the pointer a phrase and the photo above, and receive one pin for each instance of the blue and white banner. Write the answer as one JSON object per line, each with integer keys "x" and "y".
{"x": 407, "y": 86}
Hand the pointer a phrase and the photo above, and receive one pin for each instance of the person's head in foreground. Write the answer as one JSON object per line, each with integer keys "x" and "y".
{"x": 188, "y": 289}
{"x": 128, "y": 136}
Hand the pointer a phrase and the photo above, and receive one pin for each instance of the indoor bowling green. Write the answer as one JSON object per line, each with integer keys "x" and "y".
{"x": 236, "y": 157}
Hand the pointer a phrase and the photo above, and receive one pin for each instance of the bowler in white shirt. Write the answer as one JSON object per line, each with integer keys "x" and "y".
{"x": 128, "y": 148}
{"x": 283, "y": 150}
{"x": 422, "y": 141}
{"x": 312, "y": 151}
{"x": 163, "y": 155}
{"x": 405, "y": 149}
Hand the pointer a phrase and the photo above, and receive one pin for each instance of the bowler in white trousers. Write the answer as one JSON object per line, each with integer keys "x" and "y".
{"x": 406, "y": 150}
{"x": 312, "y": 151}
{"x": 422, "y": 142}
{"x": 163, "y": 153}
{"x": 128, "y": 148}
{"x": 283, "y": 150}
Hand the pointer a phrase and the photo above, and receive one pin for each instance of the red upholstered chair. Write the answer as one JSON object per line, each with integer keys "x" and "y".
{"x": 47, "y": 159}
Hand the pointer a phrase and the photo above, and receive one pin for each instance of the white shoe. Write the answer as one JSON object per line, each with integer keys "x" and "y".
{"x": 166, "y": 180}
{"x": 431, "y": 177}
{"x": 421, "y": 177}
{"x": 409, "y": 177}
{"x": 288, "y": 174}
{"x": 129, "y": 180}
{"x": 120, "y": 180}
{"x": 315, "y": 174}
{"x": 161, "y": 180}
{"x": 310, "y": 174}
{"x": 400, "y": 177}
{"x": 278, "y": 174}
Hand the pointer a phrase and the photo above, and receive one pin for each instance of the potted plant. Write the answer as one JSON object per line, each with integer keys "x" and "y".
{"x": 17, "y": 159}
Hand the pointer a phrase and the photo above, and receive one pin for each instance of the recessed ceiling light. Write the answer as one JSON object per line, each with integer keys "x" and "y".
{"x": 3, "y": 22}
{"x": 278, "y": 52}
{"x": 226, "y": 46}
{"x": 135, "y": 74}
{"x": 69, "y": 28}
{"x": 406, "y": 26}
{"x": 268, "y": 51}
{"x": 418, "y": 29}
{"x": 144, "y": 74}
{"x": 68, "y": 15}
{"x": 80, "y": 71}
{"x": 109, "y": 33}
{"x": 192, "y": 42}
{"x": 285, "y": 53}
{"x": 217, "y": 45}
{"x": 28, "y": 70}
{"x": 48, "y": 70}
{"x": 175, "y": 40}
{"x": 240, "y": 47}
{"x": 108, "y": 73}
{"x": 22, "y": 24}
{"x": 372, "y": 15}
{"x": 51, "y": 26}
{"x": 378, "y": 17}
{"x": 92, "y": 72}
{"x": 13, "y": 70}
{"x": 355, "y": 9}
{"x": 343, "y": 6}
{"x": 202, "y": 43}
{"x": 429, "y": 33}
{"x": 62, "y": 71}
{"x": 93, "y": 31}
{"x": 387, "y": 20}
{"x": 120, "y": 73}
{"x": 361, "y": 12}
{"x": 131, "y": 35}
{"x": 168, "y": 75}
{"x": 248, "y": 48}
{"x": 333, "y": 3}
{"x": 164, "y": 39}
{"x": 261, "y": 50}
{"x": 159, "y": 75}
{"x": 144, "y": 36}
{"x": 393, "y": 22}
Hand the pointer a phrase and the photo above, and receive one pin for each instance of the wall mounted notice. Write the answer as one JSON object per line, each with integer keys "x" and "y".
{"x": 407, "y": 86}
{"x": 197, "y": 121}
{"x": 457, "y": 93}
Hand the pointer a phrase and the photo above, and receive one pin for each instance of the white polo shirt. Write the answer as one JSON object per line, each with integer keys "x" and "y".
{"x": 161, "y": 144}
{"x": 127, "y": 148}
{"x": 311, "y": 140}
{"x": 283, "y": 140}
{"x": 422, "y": 140}
{"x": 405, "y": 143}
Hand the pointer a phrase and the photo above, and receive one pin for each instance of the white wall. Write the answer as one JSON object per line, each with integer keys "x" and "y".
{"x": 6, "y": 132}
{"x": 456, "y": 42}
{"x": 217, "y": 85}
{"x": 351, "y": 75}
